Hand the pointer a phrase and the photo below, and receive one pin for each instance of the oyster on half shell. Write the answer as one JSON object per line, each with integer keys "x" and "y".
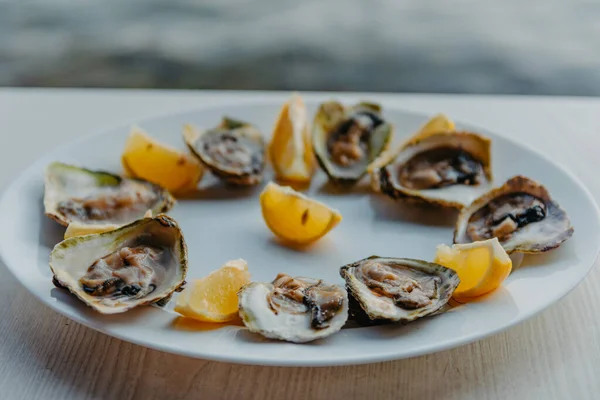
{"x": 234, "y": 151}
{"x": 92, "y": 198}
{"x": 296, "y": 309}
{"x": 448, "y": 169}
{"x": 520, "y": 213}
{"x": 112, "y": 272}
{"x": 346, "y": 140}
{"x": 397, "y": 289}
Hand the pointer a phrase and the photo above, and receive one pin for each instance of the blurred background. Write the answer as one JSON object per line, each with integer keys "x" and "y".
{"x": 459, "y": 46}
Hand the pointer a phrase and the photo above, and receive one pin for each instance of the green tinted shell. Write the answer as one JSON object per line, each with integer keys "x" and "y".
{"x": 346, "y": 140}
{"x": 88, "y": 197}
{"x": 382, "y": 287}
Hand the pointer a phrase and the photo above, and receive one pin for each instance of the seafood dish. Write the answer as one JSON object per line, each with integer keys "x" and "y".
{"x": 122, "y": 250}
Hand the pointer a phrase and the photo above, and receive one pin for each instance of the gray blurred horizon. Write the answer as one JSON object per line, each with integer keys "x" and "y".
{"x": 465, "y": 46}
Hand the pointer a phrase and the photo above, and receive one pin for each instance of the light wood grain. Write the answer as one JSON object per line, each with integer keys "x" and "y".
{"x": 555, "y": 355}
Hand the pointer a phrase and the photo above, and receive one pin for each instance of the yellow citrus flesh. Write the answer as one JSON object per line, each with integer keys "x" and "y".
{"x": 481, "y": 266}
{"x": 146, "y": 158}
{"x": 214, "y": 298}
{"x": 436, "y": 124}
{"x": 293, "y": 217}
{"x": 77, "y": 229}
{"x": 290, "y": 149}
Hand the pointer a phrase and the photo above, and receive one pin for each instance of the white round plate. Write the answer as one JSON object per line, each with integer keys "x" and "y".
{"x": 222, "y": 224}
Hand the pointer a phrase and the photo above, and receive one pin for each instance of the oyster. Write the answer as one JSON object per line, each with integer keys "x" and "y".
{"x": 293, "y": 309}
{"x": 234, "y": 151}
{"x": 140, "y": 263}
{"x": 346, "y": 140}
{"x": 520, "y": 213}
{"x": 93, "y": 198}
{"x": 449, "y": 169}
{"x": 397, "y": 289}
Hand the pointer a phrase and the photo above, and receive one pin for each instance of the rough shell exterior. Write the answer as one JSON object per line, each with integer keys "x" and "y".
{"x": 192, "y": 135}
{"x": 356, "y": 289}
{"x": 562, "y": 228}
{"x": 382, "y": 171}
{"x": 54, "y": 191}
{"x": 327, "y": 117}
{"x": 259, "y": 318}
{"x": 70, "y": 259}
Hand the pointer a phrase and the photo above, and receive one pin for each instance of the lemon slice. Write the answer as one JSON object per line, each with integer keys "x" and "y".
{"x": 290, "y": 149}
{"x": 436, "y": 124}
{"x": 294, "y": 217}
{"x": 146, "y": 158}
{"x": 481, "y": 266}
{"x": 79, "y": 229}
{"x": 214, "y": 297}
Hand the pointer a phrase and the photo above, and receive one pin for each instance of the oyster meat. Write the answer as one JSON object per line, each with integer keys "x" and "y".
{"x": 234, "y": 151}
{"x": 140, "y": 263}
{"x": 293, "y": 309}
{"x": 520, "y": 213}
{"x": 86, "y": 197}
{"x": 397, "y": 289}
{"x": 346, "y": 140}
{"x": 449, "y": 169}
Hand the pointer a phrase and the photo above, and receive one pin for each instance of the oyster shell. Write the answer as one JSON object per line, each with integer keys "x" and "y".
{"x": 140, "y": 263}
{"x": 448, "y": 169}
{"x": 346, "y": 140}
{"x": 397, "y": 289}
{"x": 92, "y": 198}
{"x": 293, "y": 309}
{"x": 520, "y": 213}
{"x": 234, "y": 151}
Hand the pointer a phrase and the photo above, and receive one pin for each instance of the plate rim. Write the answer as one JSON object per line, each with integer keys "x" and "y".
{"x": 279, "y": 97}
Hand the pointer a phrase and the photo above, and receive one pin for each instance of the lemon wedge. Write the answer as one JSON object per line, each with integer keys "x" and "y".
{"x": 294, "y": 217}
{"x": 214, "y": 297}
{"x": 436, "y": 124}
{"x": 481, "y": 266}
{"x": 147, "y": 158}
{"x": 290, "y": 148}
{"x": 79, "y": 229}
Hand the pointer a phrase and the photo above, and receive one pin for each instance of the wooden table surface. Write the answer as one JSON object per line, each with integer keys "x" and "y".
{"x": 554, "y": 355}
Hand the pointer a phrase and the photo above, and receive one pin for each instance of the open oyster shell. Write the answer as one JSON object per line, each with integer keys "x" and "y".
{"x": 448, "y": 169}
{"x": 520, "y": 213}
{"x": 293, "y": 309}
{"x": 234, "y": 151}
{"x": 397, "y": 289}
{"x": 346, "y": 140}
{"x": 140, "y": 263}
{"x": 92, "y": 198}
